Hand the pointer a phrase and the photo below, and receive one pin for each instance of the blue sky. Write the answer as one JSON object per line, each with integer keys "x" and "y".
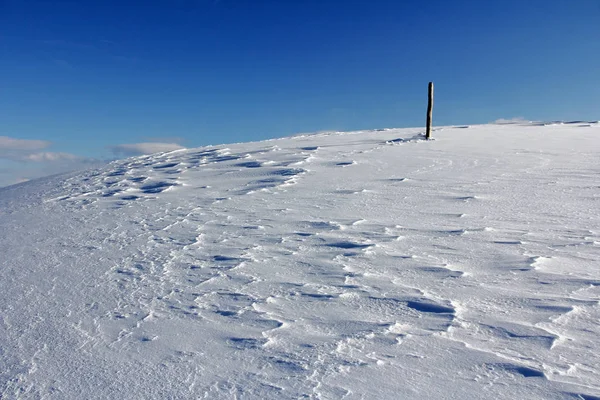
{"x": 82, "y": 78}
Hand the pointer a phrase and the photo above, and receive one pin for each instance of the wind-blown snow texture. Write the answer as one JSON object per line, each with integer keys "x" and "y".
{"x": 362, "y": 265}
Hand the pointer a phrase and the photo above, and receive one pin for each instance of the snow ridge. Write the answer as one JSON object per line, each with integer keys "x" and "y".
{"x": 369, "y": 264}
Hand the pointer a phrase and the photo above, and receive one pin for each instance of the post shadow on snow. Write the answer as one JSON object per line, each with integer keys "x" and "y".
{"x": 420, "y": 137}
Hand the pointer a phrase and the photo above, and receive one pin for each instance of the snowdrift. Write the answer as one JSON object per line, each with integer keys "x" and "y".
{"x": 360, "y": 265}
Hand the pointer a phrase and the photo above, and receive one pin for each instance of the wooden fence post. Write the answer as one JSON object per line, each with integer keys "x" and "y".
{"x": 429, "y": 111}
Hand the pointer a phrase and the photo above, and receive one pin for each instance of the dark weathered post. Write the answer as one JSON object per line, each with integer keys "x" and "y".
{"x": 429, "y": 111}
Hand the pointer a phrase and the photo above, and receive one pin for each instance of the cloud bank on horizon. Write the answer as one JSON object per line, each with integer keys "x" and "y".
{"x": 24, "y": 159}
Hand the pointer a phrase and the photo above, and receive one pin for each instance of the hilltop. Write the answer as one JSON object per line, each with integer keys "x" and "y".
{"x": 370, "y": 264}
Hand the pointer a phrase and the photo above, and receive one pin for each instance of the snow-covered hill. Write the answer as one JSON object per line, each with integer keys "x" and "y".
{"x": 361, "y": 265}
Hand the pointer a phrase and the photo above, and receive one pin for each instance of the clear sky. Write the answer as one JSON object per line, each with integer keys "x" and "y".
{"x": 79, "y": 79}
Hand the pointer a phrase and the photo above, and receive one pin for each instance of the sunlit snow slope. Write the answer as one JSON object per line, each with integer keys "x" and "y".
{"x": 361, "y": 265}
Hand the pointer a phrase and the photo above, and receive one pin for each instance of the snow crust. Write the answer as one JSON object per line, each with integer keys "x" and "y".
{"x": 360, "y": 265}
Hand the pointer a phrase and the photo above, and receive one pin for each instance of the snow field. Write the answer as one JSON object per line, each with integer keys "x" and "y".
{"x": 369, "y": 264}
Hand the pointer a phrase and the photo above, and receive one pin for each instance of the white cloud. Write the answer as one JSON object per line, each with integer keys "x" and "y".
{"x": 8, "y": 143}
{"x": 136, "y": 149}
{"x": 515, "y": 120}
{"x": 23, "y": 159}
{"x": 49, "y": 156}
{"x": 28, "y": 150}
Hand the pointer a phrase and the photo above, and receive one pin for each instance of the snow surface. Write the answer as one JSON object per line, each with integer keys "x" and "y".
{"x": 361, "y": 265}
